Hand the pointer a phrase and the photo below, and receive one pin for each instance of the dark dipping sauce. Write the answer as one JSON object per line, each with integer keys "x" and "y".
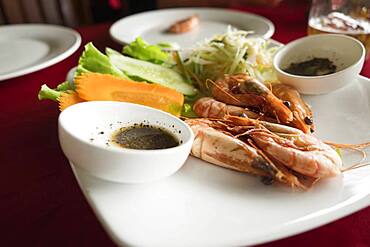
{"x": 312, "y": 67}
{"x": 146, "y": 137}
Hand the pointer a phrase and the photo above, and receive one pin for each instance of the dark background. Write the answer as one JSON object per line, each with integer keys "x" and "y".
{"x": 76, "y": 13}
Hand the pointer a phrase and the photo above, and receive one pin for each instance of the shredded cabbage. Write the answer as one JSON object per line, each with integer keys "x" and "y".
{"x": 231, "y": 53}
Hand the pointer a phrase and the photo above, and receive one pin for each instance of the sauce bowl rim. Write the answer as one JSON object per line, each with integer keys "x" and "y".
{"x": 278, "y": 56}
{"x": 190, "y": 134}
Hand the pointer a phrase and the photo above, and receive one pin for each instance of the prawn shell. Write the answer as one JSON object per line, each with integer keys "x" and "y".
{"x": 246, "y": 91}
{"x": 217, "y": 146}
{"x": 301, "y": 110}
{"x": 208, "y": 107}
{"x": 304, "y": 154}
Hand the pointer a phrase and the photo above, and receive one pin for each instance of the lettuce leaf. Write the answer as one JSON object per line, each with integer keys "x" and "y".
{"x": 92, "y": 60}
{"x": 141, "y": 50}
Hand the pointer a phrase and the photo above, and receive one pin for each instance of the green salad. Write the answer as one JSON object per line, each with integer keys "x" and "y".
{"x": 229, "y": 53}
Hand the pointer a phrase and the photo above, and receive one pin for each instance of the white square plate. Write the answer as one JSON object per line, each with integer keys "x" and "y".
{"x": 205, "y": 205}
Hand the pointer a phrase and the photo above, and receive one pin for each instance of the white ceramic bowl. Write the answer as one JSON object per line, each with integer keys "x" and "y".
{"x": 86, "y": 128}
{"x": 347, "y": 53}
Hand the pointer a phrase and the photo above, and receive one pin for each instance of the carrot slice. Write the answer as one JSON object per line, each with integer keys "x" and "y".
{"x": 95, "y": 86}
{"x": 68, "y": 98}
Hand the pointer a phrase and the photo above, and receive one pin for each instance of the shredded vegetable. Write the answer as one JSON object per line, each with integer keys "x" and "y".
{"x": 231, "y": 53}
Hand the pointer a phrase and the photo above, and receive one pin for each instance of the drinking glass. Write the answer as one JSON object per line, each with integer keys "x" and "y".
{"x": 350, "y": 17}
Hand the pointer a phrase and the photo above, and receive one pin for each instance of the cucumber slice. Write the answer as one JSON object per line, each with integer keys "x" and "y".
{"x": 150, "y": 72}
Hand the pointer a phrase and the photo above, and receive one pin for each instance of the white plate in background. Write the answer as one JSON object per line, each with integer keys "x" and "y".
{"x": 206, "y": 205}
{"x": 152, "y": 25}
{"x": 27, "y": 48}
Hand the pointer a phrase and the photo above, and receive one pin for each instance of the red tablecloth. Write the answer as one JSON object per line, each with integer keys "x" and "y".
{"x": 41, "y": 203}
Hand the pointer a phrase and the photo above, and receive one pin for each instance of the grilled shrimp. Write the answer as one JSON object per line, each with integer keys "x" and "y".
{"x": 302, "y": 113}
{"x": 243, "y": 90}
{"x": 291, "y": 147}
{"x": 222, "y": 149}
{"x": 210, "y": 108}
{"x": 185, "y": 25}
{"x": 303, "y": 153}
{"x": 275, "y": 151}
{"x": 214, "y": 145}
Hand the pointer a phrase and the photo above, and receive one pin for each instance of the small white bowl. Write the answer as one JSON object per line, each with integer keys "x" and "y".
{"x": 86, "y": 128}
{"x": 347, "y": 53}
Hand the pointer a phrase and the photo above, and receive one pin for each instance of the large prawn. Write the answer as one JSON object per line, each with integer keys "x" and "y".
{"x": 208, "y": 107}
{"x": 284, "y": 153}
{"x": 246, "y": 91}
{"x": 301, "y": 152}
{"x": 214, "y": 144}
{"x": 302, "y": 113}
